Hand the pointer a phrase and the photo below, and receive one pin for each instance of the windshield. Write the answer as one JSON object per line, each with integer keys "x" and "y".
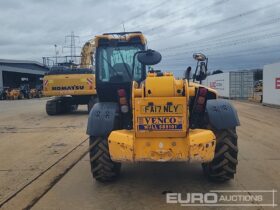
{"x": 115, "y": 64}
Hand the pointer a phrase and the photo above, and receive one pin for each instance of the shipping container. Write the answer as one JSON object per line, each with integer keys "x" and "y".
{"x": 232, "y": 85}
{"x": 271, "y": 84}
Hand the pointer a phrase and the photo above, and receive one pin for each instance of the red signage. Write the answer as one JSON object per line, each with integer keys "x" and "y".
{"x": 277, "y": 83}
{"x": 213, "y": 85}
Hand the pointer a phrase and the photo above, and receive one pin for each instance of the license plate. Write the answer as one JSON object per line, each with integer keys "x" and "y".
{"x": 162, "y": 109}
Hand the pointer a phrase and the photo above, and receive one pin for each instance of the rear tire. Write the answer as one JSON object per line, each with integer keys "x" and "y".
{"x": 53, "y": 107}
{"x": 103, "y": 169}
{"x": 223, "y": 167}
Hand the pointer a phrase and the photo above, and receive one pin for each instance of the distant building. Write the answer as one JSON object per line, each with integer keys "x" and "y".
{"x": 13, "y": 72}
{"x": 271, "y": 84}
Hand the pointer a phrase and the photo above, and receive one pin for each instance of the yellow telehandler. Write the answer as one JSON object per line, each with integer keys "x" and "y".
{"x": 71, "y": 86}
{"x": 152, "y": 116}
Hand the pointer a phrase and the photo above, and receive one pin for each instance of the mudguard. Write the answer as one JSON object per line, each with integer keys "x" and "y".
{"x": 102, "y": 118}
{"x": 222, "y": 114}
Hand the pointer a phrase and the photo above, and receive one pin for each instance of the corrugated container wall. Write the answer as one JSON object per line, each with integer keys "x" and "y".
{"x": 271, "y": 84}
{"x": 233, "y": 85}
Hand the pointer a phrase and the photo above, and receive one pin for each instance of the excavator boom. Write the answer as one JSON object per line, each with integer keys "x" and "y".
{"x": 87, "y": 54}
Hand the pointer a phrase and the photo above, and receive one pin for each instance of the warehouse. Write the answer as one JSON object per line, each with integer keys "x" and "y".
{"x": 12, "y": 72}
{"x": 271, "y": 84}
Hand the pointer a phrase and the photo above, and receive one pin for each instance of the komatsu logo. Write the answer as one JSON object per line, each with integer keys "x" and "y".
{"x": 72, "y": 87}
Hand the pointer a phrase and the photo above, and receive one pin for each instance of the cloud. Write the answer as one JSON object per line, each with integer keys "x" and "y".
{"x": 30, "y": 28}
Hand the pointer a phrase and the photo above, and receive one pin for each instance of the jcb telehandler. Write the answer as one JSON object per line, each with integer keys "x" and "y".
{"x": 153, "y": 116}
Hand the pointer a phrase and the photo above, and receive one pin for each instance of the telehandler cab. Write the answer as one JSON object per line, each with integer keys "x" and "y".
{"x": 153, "y": 116}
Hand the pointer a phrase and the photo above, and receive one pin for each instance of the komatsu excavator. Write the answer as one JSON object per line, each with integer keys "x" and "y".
{"x": 71, "y": 86}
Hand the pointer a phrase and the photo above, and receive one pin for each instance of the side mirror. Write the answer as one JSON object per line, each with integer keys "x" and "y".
{"x": 149, "y": 57}
{"x": 202, "y": 72}
{"x": 201, "y": 67}
{"x": 199, "y": 57}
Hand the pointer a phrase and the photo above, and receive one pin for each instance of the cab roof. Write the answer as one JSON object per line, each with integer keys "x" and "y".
{"x": 135, "y": 37}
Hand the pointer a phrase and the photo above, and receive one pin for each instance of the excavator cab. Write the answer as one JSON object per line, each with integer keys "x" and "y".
{"x": 115, "y": 66}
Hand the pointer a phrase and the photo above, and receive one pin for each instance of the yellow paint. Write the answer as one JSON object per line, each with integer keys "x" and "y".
{"x": 163, "y": 86}
{"x": 160, "y": 107}
{"x": 87, "y": 53}
{"x": 65, "y": 83}
{"x": 121, "y": 145}
{"x": 159, "y": 86}
{"x": 198, "y": 145}
{"x": 193, "y": 85}
{"x": 126, "y": 38}
{"x": 63, "y": 80}
{"x": 202, "y": 145}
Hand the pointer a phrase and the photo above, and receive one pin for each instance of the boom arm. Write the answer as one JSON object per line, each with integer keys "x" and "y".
{"x": 87, "y": 54}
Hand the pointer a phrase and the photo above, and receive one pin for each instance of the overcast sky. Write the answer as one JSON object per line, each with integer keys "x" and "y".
{"x": 234, "y": 34}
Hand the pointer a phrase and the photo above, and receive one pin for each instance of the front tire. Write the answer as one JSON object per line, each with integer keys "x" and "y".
{"x": 223, "y": 167}
{"x": 103, "y": 169}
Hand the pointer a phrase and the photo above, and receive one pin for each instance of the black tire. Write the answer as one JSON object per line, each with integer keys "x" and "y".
{"x": 93, "y": 100}
{"x": 103, "y": 169}
{"x": 223, "y": 167}
{"x": 53, "y": 107}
